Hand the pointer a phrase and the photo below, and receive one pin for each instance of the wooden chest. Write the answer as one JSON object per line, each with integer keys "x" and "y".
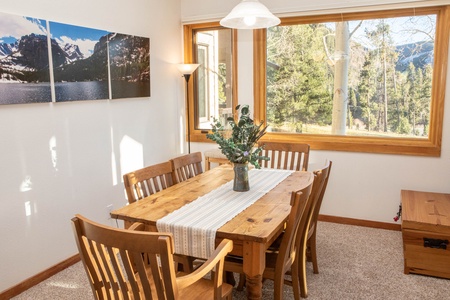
{"x": 426, "y": 233}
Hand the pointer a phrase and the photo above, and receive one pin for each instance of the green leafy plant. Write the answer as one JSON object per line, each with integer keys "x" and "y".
{"x": 238, "y": 142}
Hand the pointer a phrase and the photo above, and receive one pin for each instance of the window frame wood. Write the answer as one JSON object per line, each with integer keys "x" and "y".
{"x": 405, "y": 146}
{"x": 199, "y": 135}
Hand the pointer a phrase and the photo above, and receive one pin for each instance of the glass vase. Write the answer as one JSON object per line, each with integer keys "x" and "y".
{"x": 241, "y": 178}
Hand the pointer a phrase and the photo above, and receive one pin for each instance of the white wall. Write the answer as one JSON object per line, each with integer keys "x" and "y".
{"x": 362, "y": 186}
{"x": 96, "y": 141}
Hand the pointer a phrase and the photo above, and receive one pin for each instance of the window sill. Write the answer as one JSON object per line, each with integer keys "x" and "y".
{"x": 416, "y": 147}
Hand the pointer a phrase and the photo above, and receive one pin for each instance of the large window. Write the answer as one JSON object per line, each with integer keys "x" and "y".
{"x": 214, "y": 84}
{"x": 370, "y": 82}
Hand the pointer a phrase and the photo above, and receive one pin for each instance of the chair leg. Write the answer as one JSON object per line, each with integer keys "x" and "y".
{"x": 229, "y": 278}
{"x": 295, "y": 279}
{"x": 313, "y": 252}
{"x": 185, "y": 263}
{"x": 241, "y": 284}
{"x": 278, "y": 285}
{"x": 301, "y": 269}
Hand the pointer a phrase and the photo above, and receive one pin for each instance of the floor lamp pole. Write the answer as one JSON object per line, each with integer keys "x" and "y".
{"x": 187, "y": 76}
{"x": 187, "y": 70}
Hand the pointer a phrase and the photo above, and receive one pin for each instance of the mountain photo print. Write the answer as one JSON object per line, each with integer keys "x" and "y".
{"x": 80, "y": 62}
{"x": 129, "y": 58}
{"x": 86, "y": 63}
{"x": 24, "y": 64}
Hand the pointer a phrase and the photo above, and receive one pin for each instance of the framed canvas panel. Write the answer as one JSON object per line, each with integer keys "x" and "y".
{"x": 129, "y": 58}
{"x": 24, "y": 63}
{"x": 80, "y": 62}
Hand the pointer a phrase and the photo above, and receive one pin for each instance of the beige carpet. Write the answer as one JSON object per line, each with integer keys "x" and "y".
{"x": 354, "y": 263}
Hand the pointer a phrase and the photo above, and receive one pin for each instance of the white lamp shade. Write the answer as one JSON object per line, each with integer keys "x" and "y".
{"x": 250, "y": 14}
{"x": 187, "y": 69}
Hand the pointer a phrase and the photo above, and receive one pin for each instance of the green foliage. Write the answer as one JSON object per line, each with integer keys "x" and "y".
{"x": 222, "y": 85}
{"x": 403, "y": 126}
{"x": 297, "y": 91}
{"x": 381, "y": 96}
{"x": 239, "y": 147}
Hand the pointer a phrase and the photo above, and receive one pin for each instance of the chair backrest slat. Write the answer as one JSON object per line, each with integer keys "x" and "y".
{"x": 129, "y": 271}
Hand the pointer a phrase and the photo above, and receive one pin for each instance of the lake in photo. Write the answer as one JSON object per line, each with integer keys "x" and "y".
{"x": 20, "y": 93}
{"x": 125, "y": 89}
{"x": 86, "y": 90}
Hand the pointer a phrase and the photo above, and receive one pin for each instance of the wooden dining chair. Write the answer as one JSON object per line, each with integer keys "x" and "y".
{"x": 214, "y": 156}
{"x": 287, "y": 156}
{"x": 186, "y": 166}
{"x": 279, "y": 262}
{"x": 320, "y": 182}
{"x": 147, "y": 181}
{"x": 311, "y": 239}
{"x": 136, "y": 264}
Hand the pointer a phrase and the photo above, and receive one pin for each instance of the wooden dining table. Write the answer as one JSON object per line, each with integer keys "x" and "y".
{"x": 252, "y": 231}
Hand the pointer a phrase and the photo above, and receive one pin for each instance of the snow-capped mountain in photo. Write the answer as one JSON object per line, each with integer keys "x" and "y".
{"x": 7, "y": 49}
{"x": 73, "y": 52}
{"x": 26, "y": 60}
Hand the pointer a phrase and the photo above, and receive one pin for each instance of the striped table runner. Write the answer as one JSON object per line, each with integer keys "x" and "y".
{"x": 195, "y": 224}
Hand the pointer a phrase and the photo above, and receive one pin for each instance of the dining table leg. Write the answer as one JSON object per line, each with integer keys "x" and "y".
{"x": 254, "y": 262}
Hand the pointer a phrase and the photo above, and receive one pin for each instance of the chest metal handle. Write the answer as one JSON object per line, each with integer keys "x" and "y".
{"x": 435, "y": 243}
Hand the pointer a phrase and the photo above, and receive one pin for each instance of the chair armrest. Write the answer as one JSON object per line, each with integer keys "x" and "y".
{"x": 217, "y": 259}
{"x": 137, "y": 226}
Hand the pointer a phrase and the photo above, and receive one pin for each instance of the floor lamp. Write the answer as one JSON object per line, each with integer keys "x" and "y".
{"x": 187, "y": 70}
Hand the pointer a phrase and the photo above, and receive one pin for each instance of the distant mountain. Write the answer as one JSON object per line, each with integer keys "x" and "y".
{"x": 73, "y": 52}
{"x": 70, "y": 65}
{"x": 129, "y": 57}
{"x": 420, "y": 54}
{"x": 65, "y": 54}
{"x": 129, "y": 60}
{"x": 26, "y": 60}
{"x": 7, "y": 49}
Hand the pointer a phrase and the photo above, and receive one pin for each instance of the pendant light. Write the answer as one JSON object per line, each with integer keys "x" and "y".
{"x": 249, "y": 14}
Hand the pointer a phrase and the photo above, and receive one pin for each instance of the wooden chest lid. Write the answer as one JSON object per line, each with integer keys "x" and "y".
{"x": 426, "y": 211}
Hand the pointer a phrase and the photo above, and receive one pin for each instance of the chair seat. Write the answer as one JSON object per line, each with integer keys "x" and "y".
{"x": 204, "y": 289}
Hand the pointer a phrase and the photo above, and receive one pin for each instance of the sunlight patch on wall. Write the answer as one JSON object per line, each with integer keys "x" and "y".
{"x": 131, "y": 155}
{"x": 113, "y": 159}
{"x": 26, "y": 184}
{"x": 114, "y": 168}
{"x": 27, "y": 208}
{"x": 53, "y": 153}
